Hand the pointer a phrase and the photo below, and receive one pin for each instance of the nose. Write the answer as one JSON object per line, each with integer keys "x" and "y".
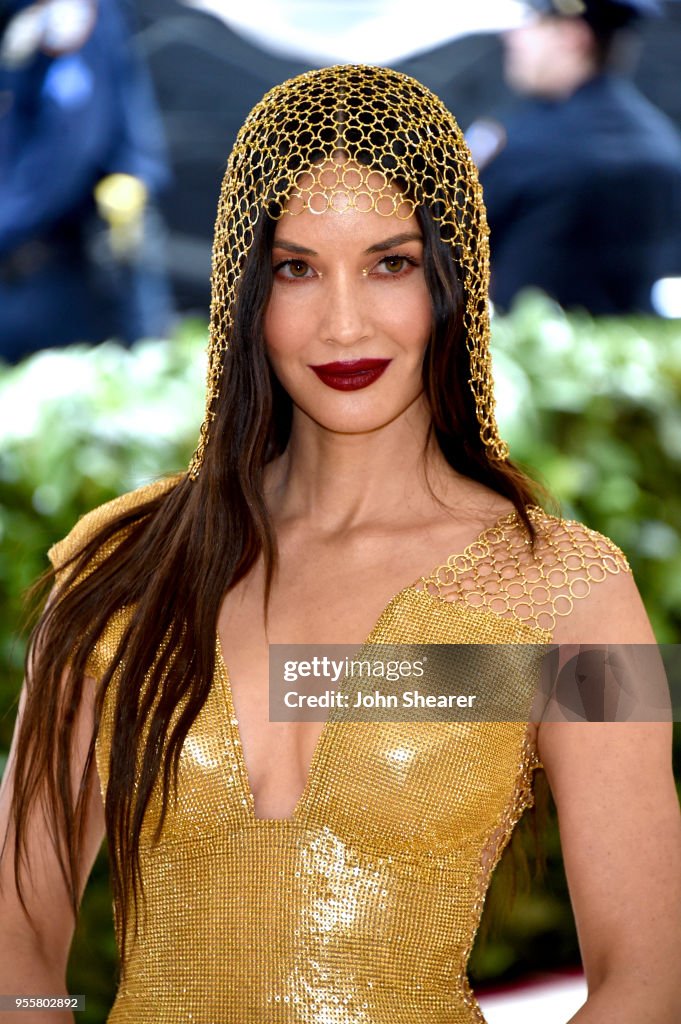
{"x": 345, "y": 317}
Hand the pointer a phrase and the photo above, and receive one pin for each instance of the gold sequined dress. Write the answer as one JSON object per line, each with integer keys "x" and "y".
{"x": 362, "y": 907}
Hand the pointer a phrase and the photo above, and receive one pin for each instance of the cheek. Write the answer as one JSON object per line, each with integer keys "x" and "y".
{"x": 280, "y": 325}
{"x": 425, "y": 316}
{"x": 269, "y": 325}
{"x": 285, "y": 337}
{"x": 291, "y": 316}
{"x": 409, "y": 317}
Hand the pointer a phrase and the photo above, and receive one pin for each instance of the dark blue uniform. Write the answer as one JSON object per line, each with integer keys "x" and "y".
{"x": 584, "y": 199}
{"x": 77, "y": 107}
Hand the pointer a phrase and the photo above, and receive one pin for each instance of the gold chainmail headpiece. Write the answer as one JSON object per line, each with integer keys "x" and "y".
{"x": 372, "y": 118}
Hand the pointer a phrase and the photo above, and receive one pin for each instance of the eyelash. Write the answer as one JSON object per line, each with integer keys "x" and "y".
{"x": 409, "y": 260}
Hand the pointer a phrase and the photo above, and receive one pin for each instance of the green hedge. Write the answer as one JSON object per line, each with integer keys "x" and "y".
{"x": 591, "y": 407}
{"x": 595, "y": 408}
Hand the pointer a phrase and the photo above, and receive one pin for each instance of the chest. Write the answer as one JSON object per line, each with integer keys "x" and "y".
{"x": 391, "y": 786}
{"x": 279, "y": 760}
{"x": 322, "y": 605}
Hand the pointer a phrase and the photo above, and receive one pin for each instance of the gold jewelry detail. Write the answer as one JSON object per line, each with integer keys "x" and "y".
{"x": 365, "y": 271}
{"x": 341, "y": 184}
{"x": 362, "y": 137}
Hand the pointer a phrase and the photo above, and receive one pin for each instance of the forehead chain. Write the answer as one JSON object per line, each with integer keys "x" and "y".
{"x": 366, "y": 136}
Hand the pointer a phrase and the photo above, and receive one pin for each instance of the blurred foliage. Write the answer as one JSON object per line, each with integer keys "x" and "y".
{"x": 592, "y": 408}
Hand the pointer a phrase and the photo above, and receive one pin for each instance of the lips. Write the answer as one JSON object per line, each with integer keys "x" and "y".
{"x": 351, "y": 374}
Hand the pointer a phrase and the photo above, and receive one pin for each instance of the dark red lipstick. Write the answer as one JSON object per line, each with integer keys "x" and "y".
{"x": 350, "y": 374}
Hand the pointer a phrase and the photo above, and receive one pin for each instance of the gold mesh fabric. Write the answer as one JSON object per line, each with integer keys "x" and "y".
{"x": 310, "y": 140}
{"x": 535, "y": 589}
{"x": 362, "y": 907}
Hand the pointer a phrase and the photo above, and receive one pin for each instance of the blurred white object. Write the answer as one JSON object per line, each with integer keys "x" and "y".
{"x": 550, "y": 1001}
{"x": 359, "y": 31}
{"x": 666, "y": 297}
{"x": 485, "y": 138}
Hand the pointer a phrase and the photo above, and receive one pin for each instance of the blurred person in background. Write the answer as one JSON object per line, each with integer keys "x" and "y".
{"x": 582, "y": 176}
{"x": 82, "y": 158}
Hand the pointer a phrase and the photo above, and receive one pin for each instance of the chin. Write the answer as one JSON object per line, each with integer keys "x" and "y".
{"x": 362, "y": 423}
{"x": 363, "y": 419}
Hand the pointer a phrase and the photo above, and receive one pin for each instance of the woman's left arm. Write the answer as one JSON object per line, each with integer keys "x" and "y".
{"x": 620, "y": 830}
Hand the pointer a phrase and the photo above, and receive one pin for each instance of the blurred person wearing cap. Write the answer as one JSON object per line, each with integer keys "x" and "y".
{"x": 82, "y": 158}
{"x": 582, "y": 176}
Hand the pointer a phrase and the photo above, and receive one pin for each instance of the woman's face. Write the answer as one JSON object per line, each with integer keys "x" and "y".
{"x": 349, "y": 317}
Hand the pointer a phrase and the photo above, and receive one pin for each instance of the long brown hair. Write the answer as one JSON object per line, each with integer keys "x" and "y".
{"x": 171, "y": 560}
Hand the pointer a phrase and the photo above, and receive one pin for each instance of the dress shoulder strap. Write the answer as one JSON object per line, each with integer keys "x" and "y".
{"x": 61, "y": 553}
{"x": 502, "y": 573}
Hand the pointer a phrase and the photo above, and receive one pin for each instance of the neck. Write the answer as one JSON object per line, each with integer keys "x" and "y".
{"x": 341, "y": 481}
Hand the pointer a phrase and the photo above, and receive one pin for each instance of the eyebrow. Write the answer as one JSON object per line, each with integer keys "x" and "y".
{"x": 387, "y": 243}
{"x": 390, "y": 243}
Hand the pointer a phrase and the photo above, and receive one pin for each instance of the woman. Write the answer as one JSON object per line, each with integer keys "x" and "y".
{"x": 302, "y": 871}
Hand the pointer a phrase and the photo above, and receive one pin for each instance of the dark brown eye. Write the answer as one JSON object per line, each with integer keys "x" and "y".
{"x": 290, "y": 269}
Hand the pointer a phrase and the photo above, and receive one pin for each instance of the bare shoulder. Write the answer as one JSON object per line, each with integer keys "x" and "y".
{"x": 570, "y": 583}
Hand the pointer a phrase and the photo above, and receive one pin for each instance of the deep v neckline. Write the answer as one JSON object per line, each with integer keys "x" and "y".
{"x": 471, "y": 550}
{"x": 248, "y": 797}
